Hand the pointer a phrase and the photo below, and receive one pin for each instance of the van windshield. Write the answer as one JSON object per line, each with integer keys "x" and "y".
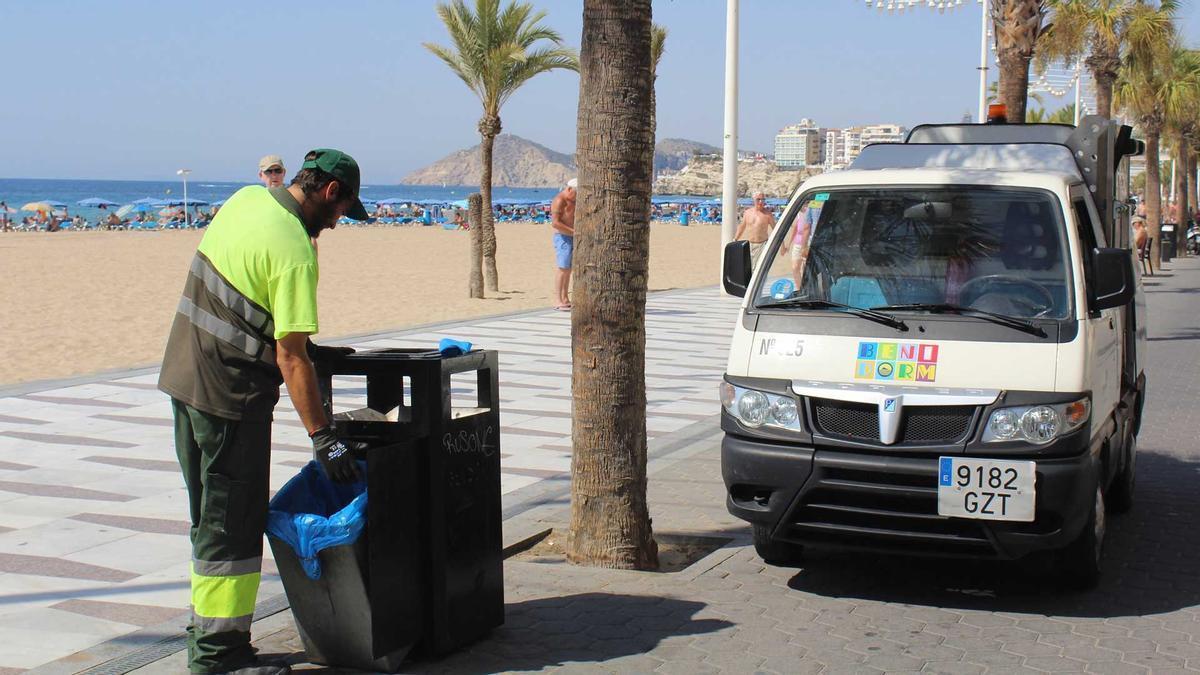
{"x": 996, "y": 250}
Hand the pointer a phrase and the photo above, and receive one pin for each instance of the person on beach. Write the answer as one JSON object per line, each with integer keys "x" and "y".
{"x": 562, "y": 219}
{"x": 801, "y": 235}
{"x": 271, "y": 171}
{"x": 755, "y": 227}
{"x": 241, "y": 329}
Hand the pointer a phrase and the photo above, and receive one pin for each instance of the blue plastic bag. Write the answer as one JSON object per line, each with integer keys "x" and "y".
{"x": 312, "y": 513}
{"x": 452, "y": 347}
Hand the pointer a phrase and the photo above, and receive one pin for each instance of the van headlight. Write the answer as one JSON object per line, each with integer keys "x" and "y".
{"x": 756, "y": 409}
{"x": 1036, "y": 424}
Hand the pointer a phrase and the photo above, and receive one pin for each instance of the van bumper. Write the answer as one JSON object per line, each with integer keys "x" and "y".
{"x": 834, "y": 498}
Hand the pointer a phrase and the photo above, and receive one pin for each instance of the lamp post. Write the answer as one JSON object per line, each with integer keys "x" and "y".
{"x": 729, "y": 155}
{"x": 898, "y": 6}
{"x": 187, "y": 216}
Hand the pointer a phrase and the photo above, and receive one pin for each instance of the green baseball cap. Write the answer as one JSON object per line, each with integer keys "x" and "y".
{"x": 342, "y": 167}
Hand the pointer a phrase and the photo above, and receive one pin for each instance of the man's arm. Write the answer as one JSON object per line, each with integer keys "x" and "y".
{"x": 556, "y": 221}
{"x": 291, "y": 354}
{"x": 737, "y": 236}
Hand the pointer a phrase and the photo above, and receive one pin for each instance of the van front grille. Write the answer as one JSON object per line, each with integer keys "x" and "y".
{"x": 918, "y": 424}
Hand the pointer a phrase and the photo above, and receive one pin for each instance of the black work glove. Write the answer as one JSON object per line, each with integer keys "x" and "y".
{"x": 326, "y": 353}
{"x": 336, "y": 456}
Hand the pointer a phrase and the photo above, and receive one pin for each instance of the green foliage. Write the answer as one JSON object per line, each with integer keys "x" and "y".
{"x": 494, "y": 51}
{"x": 658, "y": 42}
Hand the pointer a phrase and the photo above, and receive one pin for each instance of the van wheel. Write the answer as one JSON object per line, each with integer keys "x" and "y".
{"x": 1120, "y": 495}
{"x": 1079, "y": 562}
{"x": 772, "y": 551}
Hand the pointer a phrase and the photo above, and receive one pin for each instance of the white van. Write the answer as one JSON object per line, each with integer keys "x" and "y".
{"x": 938, "y": 351}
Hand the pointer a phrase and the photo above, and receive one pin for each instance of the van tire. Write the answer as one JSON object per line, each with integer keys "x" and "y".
{"x": 772, "y": 551}
{"x": 1079, "y": 562}
{"x": 1120, "y": 494}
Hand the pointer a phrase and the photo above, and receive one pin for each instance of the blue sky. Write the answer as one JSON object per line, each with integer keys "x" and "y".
{"x": 134, "y": 89}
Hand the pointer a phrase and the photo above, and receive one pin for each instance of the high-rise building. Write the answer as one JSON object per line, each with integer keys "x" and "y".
{"x": 805, "y": 145}
{"x": 798, "y": 146}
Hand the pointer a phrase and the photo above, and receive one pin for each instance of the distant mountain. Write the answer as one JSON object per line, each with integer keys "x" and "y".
{"x": 516, "y": 162}
{"x": 674, "y": 153}
{"x": 519, "y": 162}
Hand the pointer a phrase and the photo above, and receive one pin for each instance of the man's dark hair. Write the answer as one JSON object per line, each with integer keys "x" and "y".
{"x": 311, "y": 181}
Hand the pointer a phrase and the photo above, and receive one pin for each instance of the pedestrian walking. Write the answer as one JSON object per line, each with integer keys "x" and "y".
{"x": 755, "y": 227}
{"x": 562, "y": 219}
{"x": 241, "y": 329}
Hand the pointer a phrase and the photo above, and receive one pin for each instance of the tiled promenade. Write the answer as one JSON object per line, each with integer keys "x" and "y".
{"x": 730, "y": 613}
{"x": 727, "y": 613}
{"x": 93, "y": 532}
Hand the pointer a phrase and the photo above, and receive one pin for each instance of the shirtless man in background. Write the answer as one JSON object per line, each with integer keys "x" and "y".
{"x": 755, "y": 227}
{"x": 562, "y": 219}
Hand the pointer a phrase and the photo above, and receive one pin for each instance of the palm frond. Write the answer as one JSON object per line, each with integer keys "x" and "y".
{"x": 495, "y": 50}
{"x": 658, "y": 41}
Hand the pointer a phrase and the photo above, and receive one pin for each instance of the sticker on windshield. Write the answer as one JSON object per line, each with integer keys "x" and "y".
{"x": 896, "y": 362}
{"x": 782, "y": 289}
{"x": 821, "y": 196}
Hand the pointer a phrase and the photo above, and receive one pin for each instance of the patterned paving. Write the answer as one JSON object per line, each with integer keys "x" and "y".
{"x": 93, "y": 530}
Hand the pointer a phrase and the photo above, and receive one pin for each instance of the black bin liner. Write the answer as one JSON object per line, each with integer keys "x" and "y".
{"x": 426, "y": 574}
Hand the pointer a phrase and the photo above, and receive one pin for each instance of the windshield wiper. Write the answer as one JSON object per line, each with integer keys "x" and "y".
{"x": 870, "y": 314}
{"x": 947, "y": 308}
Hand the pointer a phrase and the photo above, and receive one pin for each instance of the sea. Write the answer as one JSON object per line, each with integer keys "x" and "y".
{"x": 16, "y": 192}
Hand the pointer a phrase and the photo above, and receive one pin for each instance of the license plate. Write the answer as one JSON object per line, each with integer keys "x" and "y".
{"x": 986, "y": 489}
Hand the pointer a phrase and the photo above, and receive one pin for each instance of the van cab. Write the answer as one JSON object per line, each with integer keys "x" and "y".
{"x": 938, "y": 351}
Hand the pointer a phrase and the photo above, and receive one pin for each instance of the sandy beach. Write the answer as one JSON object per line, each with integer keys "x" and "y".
{"x": 73, "y": 303}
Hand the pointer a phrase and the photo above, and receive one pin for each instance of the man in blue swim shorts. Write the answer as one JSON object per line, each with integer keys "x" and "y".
{"x": 562, "y": 219}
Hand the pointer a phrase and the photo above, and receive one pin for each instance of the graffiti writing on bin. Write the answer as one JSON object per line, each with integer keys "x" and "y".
{"x": 474, "y": 441}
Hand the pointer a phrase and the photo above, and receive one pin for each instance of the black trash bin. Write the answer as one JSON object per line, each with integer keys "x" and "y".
{"x": 1167, "y": 241}
{"x": 364, "y": 611}
{"x": 430, "y": 561}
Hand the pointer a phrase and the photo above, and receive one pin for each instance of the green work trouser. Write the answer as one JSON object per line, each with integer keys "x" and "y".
{"x": 226, "y": 466}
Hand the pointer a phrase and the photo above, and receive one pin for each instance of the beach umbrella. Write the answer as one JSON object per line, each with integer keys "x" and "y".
{"x": 179, "y": 202}
{"x": 125, "y": 210}
{"x": 96, "y": 202}
{"x": 38, "y": 206}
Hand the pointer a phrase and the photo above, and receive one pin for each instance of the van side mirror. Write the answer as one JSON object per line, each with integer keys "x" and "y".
{"x": 1113, "y": 278}
{"x": 736, "y": 268}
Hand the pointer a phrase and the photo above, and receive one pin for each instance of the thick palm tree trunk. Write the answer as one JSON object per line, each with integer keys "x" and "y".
{"x": 475, "y": 218}
{"x": 1153, "y": 198}
{"x": 1017, "y": 24}
{"x": 1105, "y": 64}
{"x": 1181, "y": 198}
{"x": 489, "y": 128}
{"x": 1193, "y": 203}
{"x": 1014, "y": 86}
{"x": 610, "y": 522}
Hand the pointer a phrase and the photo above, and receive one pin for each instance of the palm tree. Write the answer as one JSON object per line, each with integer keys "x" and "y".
{"x": 494, "y": 52}
{"x": 1036, "y": 116}
{"x": 1107, "y": 33}
{"x": 1149, "y": 91}
{"x": 1018, "y": 25}
{"x": 610, "y": 521}
{"x": 1182, "y": 123}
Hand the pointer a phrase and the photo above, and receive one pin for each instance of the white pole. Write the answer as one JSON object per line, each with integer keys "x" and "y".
{"x": 729, "y": 157}
{"x": 1172, "y": 181}
{"x": 1078, "y": 89}
{"x": 983, "y": 61}
{"x": 187, "y": 216}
